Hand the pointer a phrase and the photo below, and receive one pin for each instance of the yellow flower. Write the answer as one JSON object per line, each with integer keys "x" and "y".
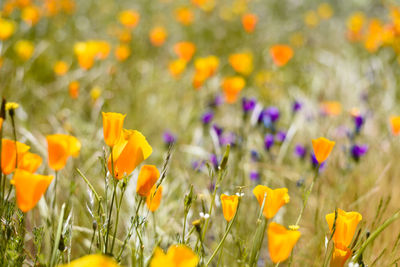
{"x": 158, "y": 35}
{"x": 311, "y": 19}
{"x": 176, "y": 67}
{"x": 274, "y": 199}
{"x": 281, "y": 241}
{"x": 95, "y": 260}
{"x": 322, "y": 148}
{"x": 229, "y": 206}
{"x": 95, "y": 93}
{"x": 242, "y": 63}
{"x": 31, "y": 15}
{"x": 7, "y": 28}
{"x": 177, "y": 256}
{"x": 11, "y": 105}
{"x": 24, "y": 49}
{"x": 29, "y": 188}
{"x": 325, "y": 11}
{"x": 345, "y": 226}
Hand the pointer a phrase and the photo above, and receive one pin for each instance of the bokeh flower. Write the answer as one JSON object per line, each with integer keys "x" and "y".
{"x": 281, "y": 54}
{"x": 158, "y": 35}
{"x": 129, "y": 18}
{"x": 231, "y": 87}
{"x": 185, "y": 50}
{"x": 249, "y": 22}
{"x": 98, "y": 260}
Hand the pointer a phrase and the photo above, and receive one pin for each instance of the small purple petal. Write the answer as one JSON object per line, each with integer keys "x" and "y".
{"x": 281, "y": 136}
{"x": 248, "y": 104}
{"x": 254, "y": 176}
{"x": 357, "y": 151}
{"x": 169, "y": 137}
{"x": 268, "y": 141}
{"x": 300, "y": 151}
{"x": 207, "y": 117}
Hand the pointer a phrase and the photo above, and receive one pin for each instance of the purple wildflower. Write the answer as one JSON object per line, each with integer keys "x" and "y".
{"x": 300, "y": 151}
{"x": 214, "y": 160}
{"x": 228, "y": 138}
{"x": 296, "y": 106}
{"x": 207, "y": 117}
{"x": 248, "y": 104}
{"x": 255, "y": 156}
{"x": 358, "y": 122}
{"x": 268, "y": 141}
{"x": 169, "y": 138}
{"x": 280, "y": 136}
{"x": 357, "y": 151}
{"x": 254, "y": 176}
{"x": 315, "y": 163}
{"x": 218, "y": 130}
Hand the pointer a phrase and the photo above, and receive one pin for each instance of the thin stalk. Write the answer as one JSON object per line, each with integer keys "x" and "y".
{"x": 117, "y": 219}
{"x": 184, "y": 228}
{"x": 221, "y": 243}
{"x": 257, "y": 245}
{"x": 307, "y": 195}
{"x": 112, "y": 201}
{"x": 222, "y": 249}
{"x": 57, "y": 239}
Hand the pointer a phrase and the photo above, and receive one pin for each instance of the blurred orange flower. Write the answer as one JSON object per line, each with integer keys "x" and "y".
{"x": 130, "y": 150}
{"x": 60, "y": 68}
{"x": 332, "y": 108}
{"x": 176, "y": 67}
{"x": 122, "y": 52}
{"x": 232, "y": 87}
{"x": 30, "y": 15}
{"x": 129, "y": 18}
{"x": 373, "y": 38}
{"x": 205, "y": 67}
{"x": 229, "y": 206}
{"x": 249, "y": 22}
{"x": 242, "y": 62}
{"x": 281, "y": 54}
{"x": 60, "y": 147}
{"x": 29, "y": 162}
{"x": 177, "y": 256}
{"x": 73, "y": 89}
{"x": 11, "y": 152}
{"x": 112, "y": 127}
{"x": 395, "y": 124}
{"x": 154, "y": 198}
{"x": 184, "y": 15}
{"x": 158, "y": 35}
{"x": 88, "y": 51}
{"x": 345, "y": 226}
{"x": 185, "y": 50}
{"x": 148, "y": 176}
{"x": 325, "y": 11}
{"x": 29, "y": 188}
{"x": 281, "y": 241}
{"x": 274, "y": 199}
{"x": 322, "y": 148}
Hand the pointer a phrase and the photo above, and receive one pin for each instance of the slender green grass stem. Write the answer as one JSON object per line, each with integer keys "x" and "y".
{"x": 112, "y": 202}
{"x": 57, "y": 237}
{"x": 117, "y": 220}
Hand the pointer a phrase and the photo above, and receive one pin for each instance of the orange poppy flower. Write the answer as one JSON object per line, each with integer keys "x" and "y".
{"x": 1, "y": 123}
{"x": 129, "y": 18}
{"x": 232, "y": 87}
{"x": 10, "y": 153}
{"x": 249, "y": 22}
{"x": 281, "y": 54}
{"x": 185, "y": 50}
{"x": 176, "y": 67}
{"x": 60, "y": 68}
{"x": 122, "y": 52}
{"x": 184, "y": 16}
{"x": 153, "y": 199}
{"x": 340, "y": 255}
{"x": 30, "y": 162}
{"x": 205, "y": 68}
{"x": 73, "y": 89}
{"x": 322, "y": 148}
{"x": 29, "y": 188}
{"x": 92, "y": 260}
{"x": 281, "y": 241}
{"x": 158, "y": 35}
{"x": 177, "y": 256}
{"x": 345, "y": 226}
{"x": 148, "y": 176}
{"x": 395, "y": 125}
{"x": 325, "y": 11}
{"x": 112, "y": 127}
{"x": 60, "y": 148}
{"x": 229, "y": 206}
{"x": 30, "y": 15}
{"x": 274, "y": 200}
{"x": 24, "y": 49}
{"x": 130, "y": 150}
{"x": 242, "y": 63}
{"x": 332, "y": 108}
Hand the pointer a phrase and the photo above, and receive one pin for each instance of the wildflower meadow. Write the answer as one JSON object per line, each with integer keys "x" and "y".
{"x": 210, "y": 133}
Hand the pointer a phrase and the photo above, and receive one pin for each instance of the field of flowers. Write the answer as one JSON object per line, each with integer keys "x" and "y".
{"x": 183, "y": 133}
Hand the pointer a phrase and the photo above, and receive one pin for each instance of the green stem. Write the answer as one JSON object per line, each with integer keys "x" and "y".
{"x": 221, "y": 243}
{"x": 57, "y": 239}
{"x": 112, "y": 201}
{"x": 307, "y": 195}
{"x": 117, "y": 219}
{"x": 184, "y": 228}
